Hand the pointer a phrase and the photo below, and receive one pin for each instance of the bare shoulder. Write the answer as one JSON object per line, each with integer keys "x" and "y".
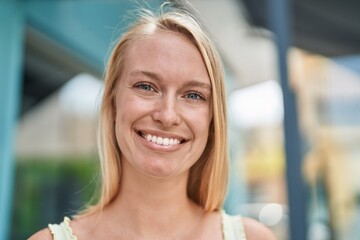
{"x": 44, "y": 234}
{"x": 256, "y": 230}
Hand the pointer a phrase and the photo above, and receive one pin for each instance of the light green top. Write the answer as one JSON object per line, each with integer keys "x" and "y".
{"x": 62, "y": 231}
{"x": 232, "y": 227}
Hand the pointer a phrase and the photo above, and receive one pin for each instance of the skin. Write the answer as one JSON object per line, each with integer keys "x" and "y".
{"x": 164, "y": 90}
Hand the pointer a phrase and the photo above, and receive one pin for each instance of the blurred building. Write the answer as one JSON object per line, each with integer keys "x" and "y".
{"x": 50, "y": 130}
{"x": 45, "y": 44}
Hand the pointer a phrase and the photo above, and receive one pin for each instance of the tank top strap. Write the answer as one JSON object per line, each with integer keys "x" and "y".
{"x": 233, "y": 227}
{"x": 62, "y": 231}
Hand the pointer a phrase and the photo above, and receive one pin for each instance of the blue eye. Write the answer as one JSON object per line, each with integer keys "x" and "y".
{"x": 195, "y": 96}
{"x": 145, "y": 86}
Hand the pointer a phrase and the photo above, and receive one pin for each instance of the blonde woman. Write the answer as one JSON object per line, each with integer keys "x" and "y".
{"x": 163, "y": 141}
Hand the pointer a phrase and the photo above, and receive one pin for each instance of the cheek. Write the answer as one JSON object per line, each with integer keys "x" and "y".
{"x": 130, "y": 107}
{"x": 200, "y": 120}
{"x": 205, "y": 126}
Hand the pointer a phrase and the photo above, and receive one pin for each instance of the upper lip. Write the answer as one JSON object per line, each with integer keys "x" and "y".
{"x": 162, "y": 134}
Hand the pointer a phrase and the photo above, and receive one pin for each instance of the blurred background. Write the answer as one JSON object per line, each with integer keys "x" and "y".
{"x": 293, "y": 85}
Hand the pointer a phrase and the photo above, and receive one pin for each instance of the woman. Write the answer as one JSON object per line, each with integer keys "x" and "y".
{"x": 163, "y": 141}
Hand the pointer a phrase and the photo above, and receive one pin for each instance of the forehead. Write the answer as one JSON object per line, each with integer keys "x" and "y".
{"x": 167, "y": 53}
{"x": 161, "y": 42}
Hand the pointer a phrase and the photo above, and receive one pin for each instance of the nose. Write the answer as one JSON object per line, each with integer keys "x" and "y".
{"x": 167, "y": 112}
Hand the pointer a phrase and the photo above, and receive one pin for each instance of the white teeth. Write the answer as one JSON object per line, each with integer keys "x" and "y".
{"x": 160, "y": 140}
{"x": 148, "y": 137}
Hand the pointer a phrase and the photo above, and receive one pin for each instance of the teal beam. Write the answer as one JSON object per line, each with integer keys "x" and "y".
{"x": 11, "y": 58}
{"x": 279, "y": 17}
{"x": 85, "y": 28}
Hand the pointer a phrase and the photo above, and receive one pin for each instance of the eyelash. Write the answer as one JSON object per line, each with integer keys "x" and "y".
{"x": 199, "y": 95}
{"x": 141, "y": 86}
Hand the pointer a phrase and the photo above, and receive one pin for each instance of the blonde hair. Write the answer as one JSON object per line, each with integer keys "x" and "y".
{"x": 207, "y": 183}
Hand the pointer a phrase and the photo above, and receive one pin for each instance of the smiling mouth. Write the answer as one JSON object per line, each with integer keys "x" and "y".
{"x": 161, "y": 140}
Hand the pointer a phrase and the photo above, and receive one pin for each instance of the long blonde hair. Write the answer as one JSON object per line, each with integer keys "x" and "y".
{"x": 207, "y": 183}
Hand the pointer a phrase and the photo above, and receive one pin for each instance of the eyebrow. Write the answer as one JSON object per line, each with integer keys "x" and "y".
{"x": 146, "y": 73}
{"x": 156, "y": 77}
{"x": 194, "y": 83}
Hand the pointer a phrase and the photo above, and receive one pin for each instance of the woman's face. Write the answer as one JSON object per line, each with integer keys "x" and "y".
{"x": 163, "y": 106}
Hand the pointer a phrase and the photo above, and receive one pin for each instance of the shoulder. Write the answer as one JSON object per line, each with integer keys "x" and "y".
{"x": 44, "y": 234}
{"x": 256, "y": 230}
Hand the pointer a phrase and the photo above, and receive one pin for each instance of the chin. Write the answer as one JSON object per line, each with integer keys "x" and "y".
{"x": 161, "y": 171}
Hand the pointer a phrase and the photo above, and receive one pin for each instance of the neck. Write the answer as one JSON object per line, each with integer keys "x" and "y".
{"x": 153, "y": 206}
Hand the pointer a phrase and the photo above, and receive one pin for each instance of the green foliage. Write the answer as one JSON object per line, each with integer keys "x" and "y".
{"x": 48, "y": 189}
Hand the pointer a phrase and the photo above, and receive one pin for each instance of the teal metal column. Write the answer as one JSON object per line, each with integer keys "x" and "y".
{"x": 11, "y": 58}
{"x": 279, "y": 13}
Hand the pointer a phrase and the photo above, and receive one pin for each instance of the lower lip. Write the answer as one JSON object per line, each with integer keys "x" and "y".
{"x": 157, "y": 147}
